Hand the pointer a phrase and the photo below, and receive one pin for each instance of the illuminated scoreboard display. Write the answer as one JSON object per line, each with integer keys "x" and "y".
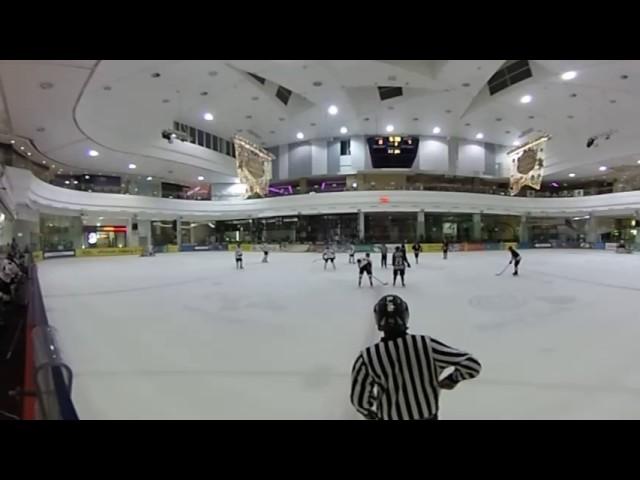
{"x": 393, "y": 151}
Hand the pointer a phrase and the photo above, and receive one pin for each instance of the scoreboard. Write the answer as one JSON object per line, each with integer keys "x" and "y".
{"x": 393, "y": 151}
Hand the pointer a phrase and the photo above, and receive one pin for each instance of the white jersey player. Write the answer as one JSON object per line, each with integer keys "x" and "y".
{"x": 365, "y": 267}
{"x": 329, "y": 255}
{"x": 239, "y": 258}
{"x": 352, "y": 253}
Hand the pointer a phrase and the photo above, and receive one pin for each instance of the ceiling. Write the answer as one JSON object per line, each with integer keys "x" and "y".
{"x": 119, "y": 108}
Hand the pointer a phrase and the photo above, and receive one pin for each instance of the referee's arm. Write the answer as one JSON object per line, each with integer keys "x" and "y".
{"x": 362, "y": 389}
{"x": 466, "y": 366}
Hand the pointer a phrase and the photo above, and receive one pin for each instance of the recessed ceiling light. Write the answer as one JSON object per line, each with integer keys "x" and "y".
{"x": 624, "y": 77}
{"x": 67, "y": 182}
{"x": 200, "y": 177}
{"x": 75, "y": 182}
{"x": 447, "y": 111}
{"x": 317, "y": 83}
{"x": 479, "y": 136}
{"x": 313, "y": 124}
{"x": 213, "y": 73}
{"x": 21, "y": 148}
{"x": 568, "y": 75}
{"x": 299, "y": 135}
{"x": 106, "y": 88}
{"x": 248, "y": 117}
{"x": 389, "y": 128}
{"x": 436, "y": 130}
{"x": 204, "y": 94}
{"x": 638, "y": 161}
{"x": 526, "y": 99}
{"x": 516, "y": 143}
{"x": 13, "y": 141}
{"x": 46, "y": 85}
{"x": 29, "y": 153}
{"x": 132, "y": 166}
{"x": 208, "y": 116}
{"x": 165, "y": 100}
{"x": 466, "y": 84}
{"x": 572, "y": 175}
{"x": 40, "y": 129}
{"x": 343, "y": 130}
{"x": 573, "y": 95}
{"x": 255, "y": 99}
{"x": 602, "y": 169}
{"x": 44, "y": 162}
{"x": 93, "y": 153}
{"x": 415, "y": 119}
{"x": 333, "y": 110}
{"x": 86, "y": 177}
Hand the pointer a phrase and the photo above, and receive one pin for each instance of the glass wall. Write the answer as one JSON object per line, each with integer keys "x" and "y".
{"x": 453, "y": 227}
{"x": 163, "y": 232}
{"x": 390, "y": 227}
{"x": 60, "y": 232}
{"x": 500, "y": 228}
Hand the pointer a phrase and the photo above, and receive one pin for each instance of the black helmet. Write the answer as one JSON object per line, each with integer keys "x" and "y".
{"x": 392, "y": 314}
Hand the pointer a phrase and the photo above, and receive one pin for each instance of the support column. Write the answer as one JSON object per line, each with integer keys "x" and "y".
{"x": 361, "y": 225}
{"x": 523, "y": 233}
{"x": 592, "y": 230}
{"x": 420, "y": 229}
{"x": 476, "y": 231}
{"x": 191, "y": 234}
{"x": 179, "y": 232}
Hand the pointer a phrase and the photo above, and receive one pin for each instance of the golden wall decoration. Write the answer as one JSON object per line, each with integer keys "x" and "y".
{"x": 253, "y": 164}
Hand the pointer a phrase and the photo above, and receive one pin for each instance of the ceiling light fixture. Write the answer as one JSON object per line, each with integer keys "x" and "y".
{"x": 12, "y": 142}
{"x": 149, "y": 179}
{"x": 602, "y": 168}
{"x": 200, "y": 178}
{"x": 132, "y": 166}
{"x": 516, "y": 143}
{"x": 389, "y": 128}
{"x": 333, "y": 110}
{"x": 568, "y": 75}
{"x": 572, "y": 175}
{"x": 208, "y": 116}
{"x": 93, "y": 153}
{"x": 436, "y": 130}
{"x": 299, "y": 135}
{"x": 526, "y": 99}
{"x": 479, "y": 136}
{"x": 343, "y": 130}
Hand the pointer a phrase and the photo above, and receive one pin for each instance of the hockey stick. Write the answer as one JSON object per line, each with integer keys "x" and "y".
{"x": 378, "y": 280}
{"x": 503, "y": 270}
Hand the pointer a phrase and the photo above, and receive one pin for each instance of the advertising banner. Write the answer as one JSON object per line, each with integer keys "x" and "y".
{"x": 59, "y": 253}
{"x": 101, "y": 252}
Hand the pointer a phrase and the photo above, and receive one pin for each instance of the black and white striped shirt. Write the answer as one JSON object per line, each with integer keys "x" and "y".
{"x": 397, "y": 379}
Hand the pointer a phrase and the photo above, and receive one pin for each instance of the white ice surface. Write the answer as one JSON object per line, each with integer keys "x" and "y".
{"x": 186, "y": 336}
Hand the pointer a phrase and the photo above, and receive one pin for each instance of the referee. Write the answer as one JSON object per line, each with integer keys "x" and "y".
{"x": 397, "y": 378}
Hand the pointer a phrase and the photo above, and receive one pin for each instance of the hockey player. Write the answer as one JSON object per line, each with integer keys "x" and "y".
{"x": 445, "y": 248}
{"x": 329, "y": 255}
{"x": 515, "y": 259}
{"x": 399, "y": 259}
{"x": 383, "y": 256}
{"x": 365, "y": 267}
{"x": 352, "y": 253}
{"x": 239, "y": 258}
{"x": 417, "y": 248}
{"x": 398, "y": 378}
{"x": 265, "y": 251}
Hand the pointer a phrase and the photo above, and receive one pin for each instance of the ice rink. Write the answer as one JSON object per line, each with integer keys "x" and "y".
{"x": 186, "y": 336}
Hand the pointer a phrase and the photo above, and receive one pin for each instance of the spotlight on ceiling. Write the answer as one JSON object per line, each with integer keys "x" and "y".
{"x": 572, "y": 175}
{"x": 568, "y": 75}
{"x": 208, "y": 116}
{"x": 602, "y": 168}
{"x": 333, "y": 110}
{"x": 343, "y": 130}
{"x": 132, "y": 166}
{"x": 93, "y": 153}
{"x": 389, "y": 128}
{"x": 479, "y": 136}
{"x": 526, "y": 99}
{"x": 436, "y": 130}
{"x": 299, "y": 135}
{"x": 516, "y": 143}
{"x": 200, "y": 177}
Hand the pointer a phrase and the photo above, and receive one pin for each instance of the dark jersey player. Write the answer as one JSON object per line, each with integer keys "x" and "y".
{"x": 365, "y": 267}
{"x": 383, "y": 256}
{"x": 515, "y": 259}
{"x": 239, "y": 258}
{"x": 399, "y": 259}
{"x": 417, "y": 248}
{"x": 445, "y": 248}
